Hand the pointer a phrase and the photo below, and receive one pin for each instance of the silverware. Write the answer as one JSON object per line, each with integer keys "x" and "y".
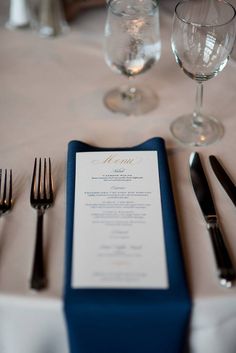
{"x": 5, "y": 191}
{"x": 41, "y": 198}
{"x": 223, "y": 178}
{"x": 225, "y": 269}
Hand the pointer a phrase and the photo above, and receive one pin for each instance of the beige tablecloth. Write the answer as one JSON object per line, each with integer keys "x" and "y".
{"x": 51, "y": 92}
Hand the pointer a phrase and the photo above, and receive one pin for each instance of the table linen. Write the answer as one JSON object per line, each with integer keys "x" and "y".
{"x": 127, "y": 320}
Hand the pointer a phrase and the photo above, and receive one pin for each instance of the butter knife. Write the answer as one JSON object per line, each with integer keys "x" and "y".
{"x": 223, "y": 178}
{"x": 225, "y": 269}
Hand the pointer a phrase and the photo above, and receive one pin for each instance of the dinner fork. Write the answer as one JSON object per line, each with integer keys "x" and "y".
{"x": 41, "y": 198}
{"x": 5, "y": 192}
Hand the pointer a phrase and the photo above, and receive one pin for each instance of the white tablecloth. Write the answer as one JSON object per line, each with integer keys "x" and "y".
{"x": 51, "y": 92}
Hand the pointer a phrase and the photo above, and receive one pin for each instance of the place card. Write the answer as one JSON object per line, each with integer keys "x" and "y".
{"x": 118, "y": 237}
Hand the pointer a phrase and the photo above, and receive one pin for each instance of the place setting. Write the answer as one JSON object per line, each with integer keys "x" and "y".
{"x": 126, "y": 279}
{"x": 111, "y": 192}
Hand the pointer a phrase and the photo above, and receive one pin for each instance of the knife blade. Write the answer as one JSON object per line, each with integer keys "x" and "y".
{"x": 223, "y": 178}
{"x": 225, "y": 269}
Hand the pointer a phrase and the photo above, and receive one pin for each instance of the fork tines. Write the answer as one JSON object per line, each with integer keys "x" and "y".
{"x": 5, "y": 190}
{"x": 42, "y": 184}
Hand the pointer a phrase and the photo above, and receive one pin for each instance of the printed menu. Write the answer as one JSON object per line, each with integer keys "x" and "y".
{"x": 118, "y": 237}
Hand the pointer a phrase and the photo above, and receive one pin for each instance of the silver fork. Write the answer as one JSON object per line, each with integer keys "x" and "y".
{"x": 5, "y": 192}
{"x": 41, "y": 198}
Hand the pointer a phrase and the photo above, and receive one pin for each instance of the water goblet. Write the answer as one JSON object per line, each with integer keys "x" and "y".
{"x": 202, "y": 39}
{"x": 132, "y": 45}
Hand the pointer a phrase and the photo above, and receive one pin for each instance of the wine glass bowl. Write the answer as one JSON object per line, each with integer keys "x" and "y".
{"x": 202, "y": 39}
{"x": 132, "y": 45}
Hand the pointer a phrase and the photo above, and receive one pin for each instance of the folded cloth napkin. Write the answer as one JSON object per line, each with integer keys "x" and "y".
{"x": 128, "y": 320}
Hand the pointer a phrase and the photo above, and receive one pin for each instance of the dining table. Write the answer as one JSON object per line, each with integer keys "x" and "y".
{"x": 51, "y": 92}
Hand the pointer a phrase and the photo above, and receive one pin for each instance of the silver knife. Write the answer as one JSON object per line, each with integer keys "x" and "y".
{"x": 225, "y": 269}
{"x": 223, "y": 178}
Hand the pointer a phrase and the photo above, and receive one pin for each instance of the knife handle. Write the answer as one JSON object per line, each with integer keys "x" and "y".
{"x": 226, "y": 271}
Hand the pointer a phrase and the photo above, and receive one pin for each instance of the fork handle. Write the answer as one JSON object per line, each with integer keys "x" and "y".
{"x": 38, "y": 278}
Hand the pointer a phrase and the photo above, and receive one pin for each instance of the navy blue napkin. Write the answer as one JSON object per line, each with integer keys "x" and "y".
{"x": 128, "y": 320}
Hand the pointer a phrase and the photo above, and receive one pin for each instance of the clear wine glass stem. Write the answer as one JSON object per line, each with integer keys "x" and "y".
{"x": 197, "y": 120}
{"x": 130, "y": 92}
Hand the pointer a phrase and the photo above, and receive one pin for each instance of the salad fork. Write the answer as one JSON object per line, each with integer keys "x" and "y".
{"x": 5, "y": 192}
{"x": 41, "y": 198}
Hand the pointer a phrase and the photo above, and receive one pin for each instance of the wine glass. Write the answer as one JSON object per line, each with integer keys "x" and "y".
{"x": 132, "y": 45}
{"x": 202, "y": 39}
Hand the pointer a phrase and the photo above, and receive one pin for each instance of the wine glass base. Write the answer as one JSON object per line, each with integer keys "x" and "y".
{"x": 140, "y": 102}
{"x": 205, "y": 132}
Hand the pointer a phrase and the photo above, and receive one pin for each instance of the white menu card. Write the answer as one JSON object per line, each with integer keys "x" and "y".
{"x": 118, "y": 238}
